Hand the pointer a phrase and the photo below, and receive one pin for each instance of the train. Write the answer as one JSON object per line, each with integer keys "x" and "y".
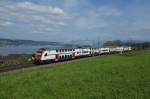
{"x": 47, "y": 55}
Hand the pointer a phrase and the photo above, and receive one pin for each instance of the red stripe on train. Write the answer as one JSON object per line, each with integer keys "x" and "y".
{"x": 38, "y": 57}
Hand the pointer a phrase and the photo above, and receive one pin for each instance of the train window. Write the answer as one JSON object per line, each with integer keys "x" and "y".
{"x": 62, "y": 56}
{"x": 56, "y": 50}
{"x": 62, "y": 50}
{"x": 65, "y": 56}
{"x": 46, "y": 54}
{"x": 73, "y": 49}
{"x": 65, "y": 50}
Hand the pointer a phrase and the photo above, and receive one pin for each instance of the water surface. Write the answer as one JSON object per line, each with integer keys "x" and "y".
{"x": 22, "y": 49}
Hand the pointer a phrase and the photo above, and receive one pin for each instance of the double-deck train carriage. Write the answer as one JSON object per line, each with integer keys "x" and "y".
{"x": 86, "y": 52}
{"x": 119, "y": 49}
{"x": 104, "y": 50}
{"x": 127, "y": 49}
{"x": 94, "y": 51}
{"x": 49, "y": 55}
{"x": 81, "y": 52}
{"x": 113, "y": 50}
{"x": 123, "y": 49}
{"x": 64, "y": 53}
{"x": 78, "y": 52}
{"x": 44, "y": 54}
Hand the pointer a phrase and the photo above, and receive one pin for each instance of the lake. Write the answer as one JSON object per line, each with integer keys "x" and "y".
{"x": 22, "y": 49}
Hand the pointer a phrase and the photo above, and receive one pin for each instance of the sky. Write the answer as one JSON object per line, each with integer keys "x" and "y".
{"x": 72, "y": 20}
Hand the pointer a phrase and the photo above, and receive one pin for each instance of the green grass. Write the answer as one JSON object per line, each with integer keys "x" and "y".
{"x": 124, "y": 76}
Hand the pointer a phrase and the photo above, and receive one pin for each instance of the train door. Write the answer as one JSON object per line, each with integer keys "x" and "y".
{"x": 56, "y": 57}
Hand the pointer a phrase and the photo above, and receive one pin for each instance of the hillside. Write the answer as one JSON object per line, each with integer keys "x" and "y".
{"x": 116, "y": 76}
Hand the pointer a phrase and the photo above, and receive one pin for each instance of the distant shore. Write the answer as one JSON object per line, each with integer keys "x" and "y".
{"x": 4, "y": 51}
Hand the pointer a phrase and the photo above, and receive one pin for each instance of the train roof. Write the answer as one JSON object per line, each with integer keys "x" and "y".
{"x": 60, "y": 48}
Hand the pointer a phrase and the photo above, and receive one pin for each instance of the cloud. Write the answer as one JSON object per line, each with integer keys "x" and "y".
{"x": 6, "y": 23}
{"x": 74, "y": 19}
{"x": 38, "y": 8}
{"x": 28, "y": 10}
{"x": 32, "y": 16}
{"x": 105, "y": 11}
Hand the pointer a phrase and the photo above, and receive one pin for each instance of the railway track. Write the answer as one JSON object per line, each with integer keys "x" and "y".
{"x": 20, "y": 68}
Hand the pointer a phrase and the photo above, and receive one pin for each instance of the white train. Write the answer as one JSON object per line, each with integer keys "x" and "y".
{"x": 49, "y": 55}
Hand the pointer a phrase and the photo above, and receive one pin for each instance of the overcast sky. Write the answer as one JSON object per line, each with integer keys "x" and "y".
{"x": 66, "y": 20}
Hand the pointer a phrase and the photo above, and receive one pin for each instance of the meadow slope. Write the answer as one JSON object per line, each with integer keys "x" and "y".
{"x": 107, "y": 77}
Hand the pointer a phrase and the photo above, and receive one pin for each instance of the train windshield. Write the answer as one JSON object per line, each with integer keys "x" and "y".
{"x": 39, "y": 53}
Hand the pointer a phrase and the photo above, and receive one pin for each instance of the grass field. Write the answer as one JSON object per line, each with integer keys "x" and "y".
{"x": 124, "y": 76}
